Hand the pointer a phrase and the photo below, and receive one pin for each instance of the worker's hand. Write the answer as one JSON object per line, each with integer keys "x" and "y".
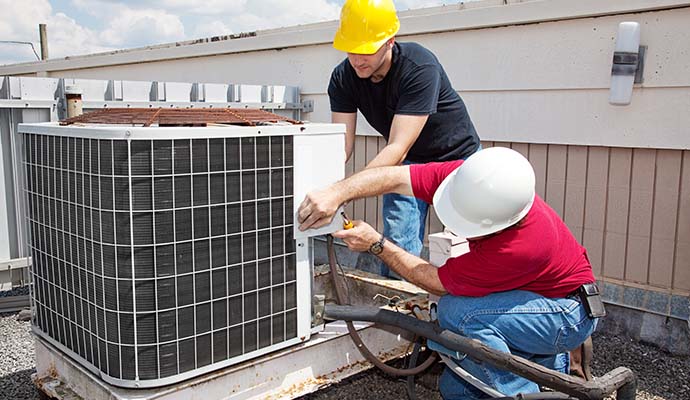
{"x": 360, "y": 238}
{"x": 318, "y": 209}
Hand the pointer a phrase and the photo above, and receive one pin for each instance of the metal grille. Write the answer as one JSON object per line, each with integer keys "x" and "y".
{"x": 152, "y": 258}
{"x": 180, "y": 117}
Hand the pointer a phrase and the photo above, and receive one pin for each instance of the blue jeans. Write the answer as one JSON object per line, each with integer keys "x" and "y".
{"x": 519, "y": 322}
{"x": 404, "y": 218}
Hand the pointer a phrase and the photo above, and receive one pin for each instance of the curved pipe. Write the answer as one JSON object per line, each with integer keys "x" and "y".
{"x": 620, "y": 380}
{"x": 363, "y": 349}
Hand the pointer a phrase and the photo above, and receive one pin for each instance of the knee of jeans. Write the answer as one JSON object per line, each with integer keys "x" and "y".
{"x": 447, "y": 307}
{"x": 570, "y": 337}
{"x": 452, "y": 386}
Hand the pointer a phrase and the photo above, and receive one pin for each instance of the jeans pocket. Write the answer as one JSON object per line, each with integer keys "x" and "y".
{"x": 572, "y": 335}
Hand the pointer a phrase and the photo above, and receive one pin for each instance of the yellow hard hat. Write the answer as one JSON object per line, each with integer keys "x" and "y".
{"x": 365, "y": 25}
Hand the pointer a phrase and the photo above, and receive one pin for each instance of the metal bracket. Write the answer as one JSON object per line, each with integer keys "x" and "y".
{"x": 318, "y": 303}
{"x": 307, "y": 106}
{"x": 629, "y": 63}
{"x": 640, "y": 64}
{"x": 17, "y": 263}
{"x": 18, "y": 103}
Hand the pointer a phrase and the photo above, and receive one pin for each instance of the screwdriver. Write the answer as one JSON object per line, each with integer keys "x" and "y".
{"x": 347, "y": 224}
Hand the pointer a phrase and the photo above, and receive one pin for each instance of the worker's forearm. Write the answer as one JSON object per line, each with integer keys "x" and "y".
{"x": 373, "y": 182}
{"x": 349, "y": 146}
{"x": 412, "y": 268}
{"x": 391, "y": 154}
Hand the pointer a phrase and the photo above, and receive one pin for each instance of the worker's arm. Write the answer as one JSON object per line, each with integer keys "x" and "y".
{"x": 412, "y": 268}
{"x": 405, "y": 130}
{"x": 319, "y": 206}
{"x": 350, "y": 121}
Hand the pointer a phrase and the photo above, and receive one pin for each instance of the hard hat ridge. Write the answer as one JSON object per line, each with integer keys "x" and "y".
{"x": 492, "y": 190}
{"x": 365, "y": 25}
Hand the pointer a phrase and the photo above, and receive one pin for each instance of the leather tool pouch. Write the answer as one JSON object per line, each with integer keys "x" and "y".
{"x": 591, "y": 299}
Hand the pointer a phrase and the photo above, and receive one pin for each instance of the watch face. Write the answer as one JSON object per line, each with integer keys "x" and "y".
{"x": 376, "y": 248}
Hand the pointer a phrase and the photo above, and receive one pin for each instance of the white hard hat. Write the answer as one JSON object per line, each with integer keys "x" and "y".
{"x": 492, "y": 190}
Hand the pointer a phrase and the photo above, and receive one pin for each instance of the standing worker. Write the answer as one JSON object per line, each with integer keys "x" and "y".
{"x": 525, "y": 287}
{"x": 404, "y": 93}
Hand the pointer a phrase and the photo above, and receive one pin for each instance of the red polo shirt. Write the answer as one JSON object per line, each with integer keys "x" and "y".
{"x": 539, "y": 255}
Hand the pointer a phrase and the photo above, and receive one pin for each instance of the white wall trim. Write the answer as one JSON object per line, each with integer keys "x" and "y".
{"x": 463, "y": 16}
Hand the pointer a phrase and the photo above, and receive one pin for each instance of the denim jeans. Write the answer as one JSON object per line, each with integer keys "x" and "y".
{"x": 404, "y": 218}
{"x": 519, "y": 322}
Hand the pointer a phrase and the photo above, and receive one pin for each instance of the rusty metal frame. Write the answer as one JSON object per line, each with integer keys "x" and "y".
{"x": 179, "y": 117}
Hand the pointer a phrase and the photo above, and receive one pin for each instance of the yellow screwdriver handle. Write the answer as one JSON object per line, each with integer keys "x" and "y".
{"x": 347, "y": 224}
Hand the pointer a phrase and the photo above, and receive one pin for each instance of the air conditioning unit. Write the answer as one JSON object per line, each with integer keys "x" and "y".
{"x": 165, "y": 252}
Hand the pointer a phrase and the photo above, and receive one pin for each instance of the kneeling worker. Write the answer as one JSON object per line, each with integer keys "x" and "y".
{"x": 520, "y": 288}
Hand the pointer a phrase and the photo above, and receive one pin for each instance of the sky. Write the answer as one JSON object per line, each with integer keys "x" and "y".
{"x": 89, "y": 26}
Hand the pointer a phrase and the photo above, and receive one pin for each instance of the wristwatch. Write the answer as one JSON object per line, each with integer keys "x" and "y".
{"x": 377, "y": 247}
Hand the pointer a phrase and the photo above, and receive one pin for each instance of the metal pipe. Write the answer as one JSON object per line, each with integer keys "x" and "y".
{"x": 620, "y": 380}
{"x": 363, "y": 349}
{"x": 73, "y": 99}
{"x": 43, "y": 34}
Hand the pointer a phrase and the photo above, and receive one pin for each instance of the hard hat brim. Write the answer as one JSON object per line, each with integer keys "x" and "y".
{"x": 456, "y": 223}
{"x": 367, "y": 48}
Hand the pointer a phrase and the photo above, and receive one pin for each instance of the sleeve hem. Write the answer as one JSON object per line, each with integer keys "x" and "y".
{"x": 415, "y": 112}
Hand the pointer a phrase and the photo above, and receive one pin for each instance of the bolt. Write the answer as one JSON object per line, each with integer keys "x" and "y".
{"x": 128, "y": 133}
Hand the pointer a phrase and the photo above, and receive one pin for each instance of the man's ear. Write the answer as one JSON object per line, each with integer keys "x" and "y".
{"x": 390, "y": 42}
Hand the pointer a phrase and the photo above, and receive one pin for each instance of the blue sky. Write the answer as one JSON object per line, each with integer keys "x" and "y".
{"x": 88, "y": 26}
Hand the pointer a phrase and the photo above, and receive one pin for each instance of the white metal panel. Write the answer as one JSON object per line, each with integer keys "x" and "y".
{"x": 177, "y": 91}
{"x": 36, "y": 88}
{"x": 214, "y": 92}
{"x": 250, "y": 93}
{"x": 331, "y": 131}
{"x": 132, "y": 90}
{"x": 92, "y": 89}
{"x": 320, "y": 161}
{"x": 6, "y": 220}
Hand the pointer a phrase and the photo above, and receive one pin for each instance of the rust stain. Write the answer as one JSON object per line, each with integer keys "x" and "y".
{"x": 179, "y": 117}
{"x": 321, "y": 381}
{"x": 52, "y": 370}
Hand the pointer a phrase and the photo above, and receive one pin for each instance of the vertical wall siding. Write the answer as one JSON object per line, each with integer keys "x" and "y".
{"x": 629, "y": 207}
{"x": 681, "y": 264}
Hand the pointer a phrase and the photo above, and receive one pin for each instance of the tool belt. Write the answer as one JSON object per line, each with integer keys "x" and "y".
{"x": 589, "y": 296}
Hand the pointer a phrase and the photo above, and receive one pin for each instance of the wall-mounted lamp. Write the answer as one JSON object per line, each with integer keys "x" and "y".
{"x": 628, "y": 61}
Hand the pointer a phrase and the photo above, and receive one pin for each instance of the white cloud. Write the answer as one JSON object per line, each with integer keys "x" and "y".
{"x": 402, "y": 5}
{"x": 208, "y": 28}
{"x": 133, "y": 27}
{"x": 19, "y": 21}
{"x": 278, "y": 13}
{"x": 132, "y": 23}
{"x": 206, "y": 8}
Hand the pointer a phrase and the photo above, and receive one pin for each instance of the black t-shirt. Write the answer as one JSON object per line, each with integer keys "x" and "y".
{"x": 416, "y": 84}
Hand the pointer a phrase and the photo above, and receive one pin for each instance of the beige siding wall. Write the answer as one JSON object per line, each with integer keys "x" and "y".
{"x": 629, "y": 207}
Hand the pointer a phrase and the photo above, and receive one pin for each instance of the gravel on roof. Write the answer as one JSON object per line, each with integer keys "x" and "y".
{"x": 17, "y": 359}
{"x": 661, "y": 376}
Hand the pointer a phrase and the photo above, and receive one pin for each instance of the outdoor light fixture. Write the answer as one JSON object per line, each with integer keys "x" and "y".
{"x": 628, "y": 60}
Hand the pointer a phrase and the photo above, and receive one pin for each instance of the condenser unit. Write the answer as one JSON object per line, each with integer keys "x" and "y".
{"x": 163, "y": 251}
